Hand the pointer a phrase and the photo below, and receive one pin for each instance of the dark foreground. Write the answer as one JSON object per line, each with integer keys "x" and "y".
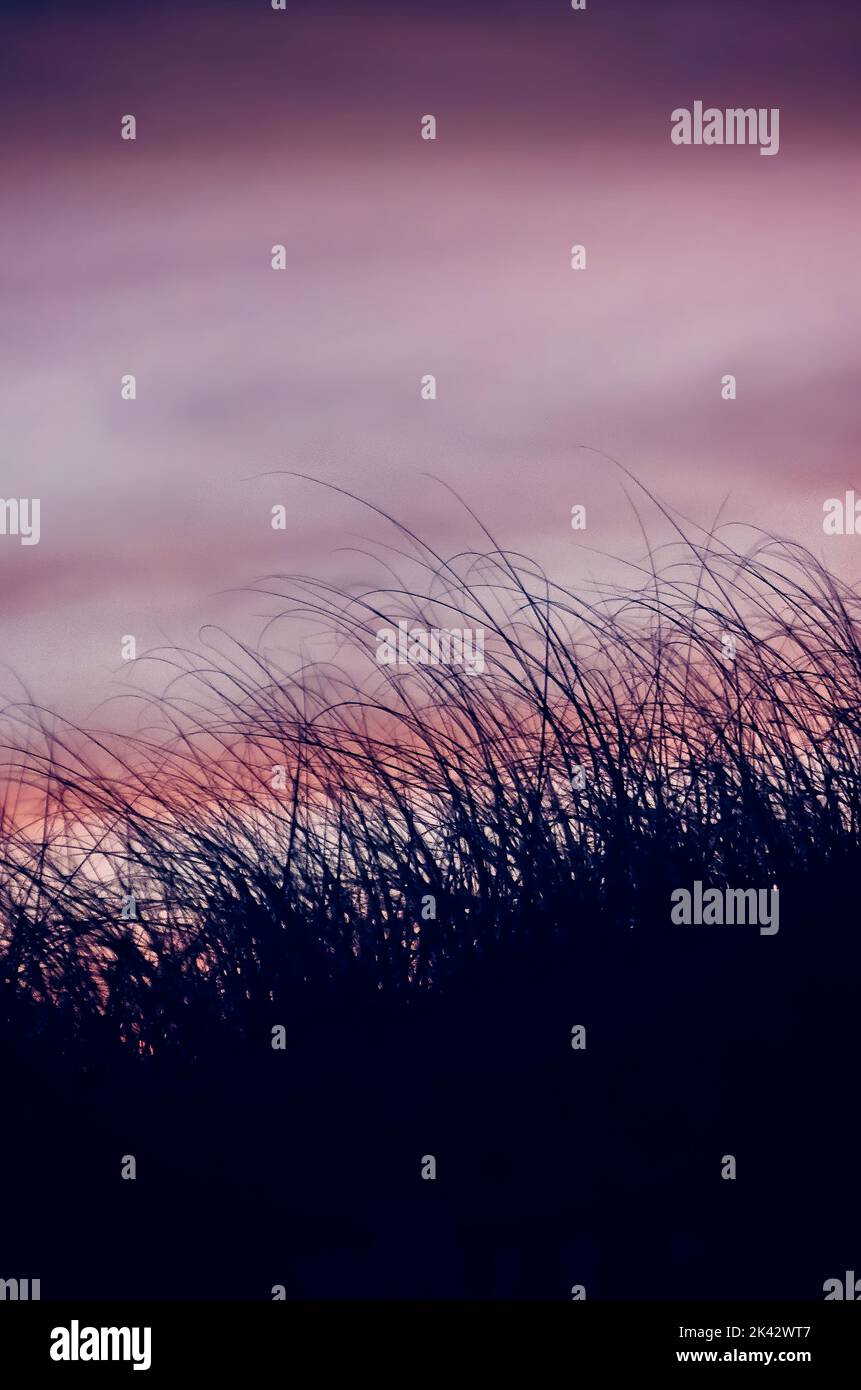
{"x": 556, "y": 1167}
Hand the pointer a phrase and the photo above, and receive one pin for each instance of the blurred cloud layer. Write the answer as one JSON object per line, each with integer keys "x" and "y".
{"x": 405, "y": 257}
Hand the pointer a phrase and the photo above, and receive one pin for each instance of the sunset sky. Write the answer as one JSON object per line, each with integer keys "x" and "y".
{"x": 404, "y": 257}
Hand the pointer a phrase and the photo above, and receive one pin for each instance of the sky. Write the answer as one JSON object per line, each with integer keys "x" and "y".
{"x": 404, "y": 257}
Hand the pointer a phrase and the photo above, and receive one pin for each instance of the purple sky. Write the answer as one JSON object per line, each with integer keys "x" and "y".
{"x": 405, "y": 257}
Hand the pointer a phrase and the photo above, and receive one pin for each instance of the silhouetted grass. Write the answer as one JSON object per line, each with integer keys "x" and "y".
{"x": 254, "y": 903}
